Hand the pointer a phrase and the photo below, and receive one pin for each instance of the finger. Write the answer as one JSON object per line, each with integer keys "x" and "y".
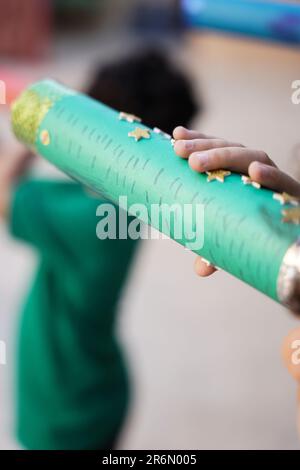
{"x": 291, "y": 353}
{"x": 203, "y": 269}
{"x": 236, "y": 159}
{"x": 184, "y": 148}
{"x": 181, "y": 132}
{"x": 273, "y": 178}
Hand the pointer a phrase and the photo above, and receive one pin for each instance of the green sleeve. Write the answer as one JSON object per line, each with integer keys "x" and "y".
{"x": 42, "y": 214}
{"x": 59, "y": 220}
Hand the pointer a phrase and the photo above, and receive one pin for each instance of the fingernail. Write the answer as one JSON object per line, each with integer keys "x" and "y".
{"x": 188, "y": 145}
{"x": 202, "y": 159}
{"x": 264, "y": 170}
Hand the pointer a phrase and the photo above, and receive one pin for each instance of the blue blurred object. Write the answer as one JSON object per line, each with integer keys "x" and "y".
{"x": 264, "y": 19}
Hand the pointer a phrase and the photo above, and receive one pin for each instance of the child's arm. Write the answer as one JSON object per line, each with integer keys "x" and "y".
{"x": 57, "y": 218}
{"x": 12, "y": 166}
{"x": 206, "y": 153}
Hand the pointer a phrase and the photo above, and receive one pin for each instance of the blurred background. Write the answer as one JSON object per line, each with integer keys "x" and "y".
{"x": 204, "y": 354}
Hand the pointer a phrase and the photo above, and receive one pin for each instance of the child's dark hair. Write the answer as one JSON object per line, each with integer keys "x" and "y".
{"x": 148, "y": 85}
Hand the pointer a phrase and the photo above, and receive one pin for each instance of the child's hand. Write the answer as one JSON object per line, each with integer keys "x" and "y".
{"x": 12, "y": 167}
{"x": 207, "y": 153}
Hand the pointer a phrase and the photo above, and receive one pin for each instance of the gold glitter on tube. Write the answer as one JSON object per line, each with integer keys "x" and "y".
{"x": 28, "y": 111}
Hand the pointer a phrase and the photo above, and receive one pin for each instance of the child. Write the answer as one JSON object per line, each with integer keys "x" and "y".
{"x": 73, "y": 387}
{"x": 206, "y": 153}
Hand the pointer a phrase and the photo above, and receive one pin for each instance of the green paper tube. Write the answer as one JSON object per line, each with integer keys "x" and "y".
{"x": 243, "y": 229}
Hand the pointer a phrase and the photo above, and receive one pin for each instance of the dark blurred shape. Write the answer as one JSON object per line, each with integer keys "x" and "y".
{"x": 25, "y": 27}
{"x": 78, "y": 14}
{"x": 78, "y": 5}
{"x": 147, "y": 85}
{"x": 157, "y": 18}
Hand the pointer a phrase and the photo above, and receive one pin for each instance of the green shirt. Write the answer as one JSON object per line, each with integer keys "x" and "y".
{"x": 72, "y": 382}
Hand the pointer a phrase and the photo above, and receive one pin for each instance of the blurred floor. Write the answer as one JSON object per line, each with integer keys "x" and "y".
{"x": 204, "y": 354}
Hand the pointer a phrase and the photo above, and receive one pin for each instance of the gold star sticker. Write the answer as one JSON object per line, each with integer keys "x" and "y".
{"x": 139, "y": 134}
{"x": 218, "y": 175}
{"x": 247, "y": 180}
{"x": 285, "y": 198}
{"x": 45, "y": 137}
{"x": 129, "y": 117}
{"x": 291, "y": 216}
